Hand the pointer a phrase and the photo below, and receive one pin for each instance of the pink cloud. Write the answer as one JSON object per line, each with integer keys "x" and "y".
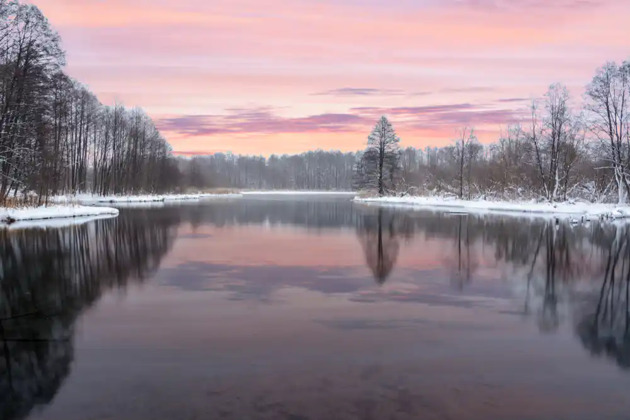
{"x": 265, "y": 121}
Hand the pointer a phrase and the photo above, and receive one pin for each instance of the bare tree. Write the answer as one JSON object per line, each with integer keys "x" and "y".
{"x": 53, "y": 131}
{"x": 608, "y": 105}
{"x": 554, "y": 141}
{"x": 466, "y": 150}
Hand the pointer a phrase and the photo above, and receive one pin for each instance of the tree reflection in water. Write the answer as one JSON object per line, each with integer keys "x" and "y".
{"x": 48, "y": 277}
{"x": 554, "y": 262}
{"x": 378, "y": 234}
{"x": 604, "y": 326}
{"x": 462, "y": 270}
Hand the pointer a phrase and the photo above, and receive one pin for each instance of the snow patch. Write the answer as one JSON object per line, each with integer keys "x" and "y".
{"x": 10, "y": 216}
{"x": 575, "y": 211}
{"x": 149, "y": 198}
{"x": 307, "y": 192}
{"x": 54, "y": 223}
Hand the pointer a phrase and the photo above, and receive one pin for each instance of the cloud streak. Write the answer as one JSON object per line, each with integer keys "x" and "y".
{"x": 359, "y": 119}
{"x": 441, "y": 116}
{"x": 533, "y": 4}
{"x": 347, "y": 91}
{"x": 258, "y": 121}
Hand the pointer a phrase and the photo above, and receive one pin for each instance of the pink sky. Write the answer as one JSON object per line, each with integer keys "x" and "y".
{"x": 272, "y": 76}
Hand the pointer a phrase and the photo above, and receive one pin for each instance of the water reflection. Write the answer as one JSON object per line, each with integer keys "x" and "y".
{"x": 555, "y": 267}
{"x": 604, "y": 327}
{"x": 310, "y": 213}
{"x": 466, "y": 263}
{"x": 558, "y": 274}
{"x": 561, "y": 266}
{"x": 48, "y": 277}
{"x": 378, "y": 235}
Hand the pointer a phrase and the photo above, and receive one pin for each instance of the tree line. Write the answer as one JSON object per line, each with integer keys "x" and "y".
{"x": 315, "y": 170}
{"x": 55, "y": 136}
{"x": 559, "y": 152}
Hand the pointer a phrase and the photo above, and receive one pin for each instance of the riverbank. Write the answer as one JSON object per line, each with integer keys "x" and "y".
{"x": 160, "y": 198}
{"x": 10, "y": 216}
{"x": 574, "y": 210}
{"x": 85, "y": 207}
{"x": 148, "y": 198}
{"x": 296, "y": 192}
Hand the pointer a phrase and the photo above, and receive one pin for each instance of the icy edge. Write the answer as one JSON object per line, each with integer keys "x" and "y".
{"x": 587, "y": 211}
{"x": 121, "y": 199}
{"x": 35, "y": 215}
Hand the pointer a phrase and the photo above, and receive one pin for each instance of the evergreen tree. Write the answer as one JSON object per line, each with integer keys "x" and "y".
{"x": 380, "y": 164}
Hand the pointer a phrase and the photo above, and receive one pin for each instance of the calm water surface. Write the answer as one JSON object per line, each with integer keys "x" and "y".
{"x": 277, "y": 308}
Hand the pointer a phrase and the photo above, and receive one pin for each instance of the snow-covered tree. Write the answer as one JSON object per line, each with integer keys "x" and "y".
{"x": 466, "y": 149}
{"x": 608, "y": 106}
{"x": 555, "y": 142}
{"x": 55, "y": 136}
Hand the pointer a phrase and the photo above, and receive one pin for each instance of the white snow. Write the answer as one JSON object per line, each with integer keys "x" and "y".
{"x": 571, "y": 210}
{"x": 95, "y": 199}
{"x": 124, "y": 199}
{"x": 54, "y": 223}
{"x": 8, "y": 216}
{"x": 298, "y": 192}
{"x": 228, "y": 195}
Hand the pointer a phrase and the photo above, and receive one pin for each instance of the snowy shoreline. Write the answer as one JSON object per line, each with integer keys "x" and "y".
{"x": 12, "y": 216}
{"x": 124, "y": 199}
{"x": 89, "y": 199}
{"x": 297, "y": 192}
{"x": 81, "y": 208}
{"x": 586, "y": 211}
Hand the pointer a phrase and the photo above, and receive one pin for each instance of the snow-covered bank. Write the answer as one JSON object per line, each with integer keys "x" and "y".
{"x": 124, "y": 199}
{"x": 587, "y": 211}
{"x": 130, "y": 199}
{"x": 222, "y": 195}
{"x": 298, "y": 192}
{"x": 13, "y": 215}
{"x": 54, "y": 223}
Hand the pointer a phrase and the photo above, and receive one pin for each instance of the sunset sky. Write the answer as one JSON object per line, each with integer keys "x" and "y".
{"x": 271, "y": 76}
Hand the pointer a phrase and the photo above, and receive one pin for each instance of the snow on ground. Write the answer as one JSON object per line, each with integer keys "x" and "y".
{"x": 126, "y": 199}
{"x": 54, "y": 223}
{"x": 187, "y": 197}
{"x": 573, "y": 210}
{"x": 122, "y": 199}
{"x": 8, "y": 216}
{"x": 297, "y": 192}
{"x": 228, "y": 195}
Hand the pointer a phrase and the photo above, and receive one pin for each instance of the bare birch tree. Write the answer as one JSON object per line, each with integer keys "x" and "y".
{"x": 608, "y": 107}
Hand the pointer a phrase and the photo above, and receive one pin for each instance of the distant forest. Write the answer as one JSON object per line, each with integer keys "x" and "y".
{"x": 318, "y": 170}
{"x": 57, "y": 138}
{"x": 559, "y": 152}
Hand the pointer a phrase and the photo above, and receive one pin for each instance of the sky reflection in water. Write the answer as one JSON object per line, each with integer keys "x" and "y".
{"x": 317, "y": 308}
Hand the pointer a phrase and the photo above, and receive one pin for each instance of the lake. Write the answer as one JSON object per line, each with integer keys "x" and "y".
{"x": 275, "y": 307}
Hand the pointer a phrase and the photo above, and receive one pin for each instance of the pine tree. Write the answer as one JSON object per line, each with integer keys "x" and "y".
{"x": 380, "y": 163}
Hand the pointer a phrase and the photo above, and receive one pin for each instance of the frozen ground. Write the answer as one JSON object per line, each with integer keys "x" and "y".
{"x": 297, "y": 192}
{"x": 96, "y": 199}
{"x": 27, "y": 214}
{"x": 128, "y": 199}
{"x": 54, "y": 223}
{"x": 573, "y": 210}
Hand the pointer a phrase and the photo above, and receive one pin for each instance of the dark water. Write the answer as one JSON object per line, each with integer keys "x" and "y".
{"x": 314, "y": 309}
